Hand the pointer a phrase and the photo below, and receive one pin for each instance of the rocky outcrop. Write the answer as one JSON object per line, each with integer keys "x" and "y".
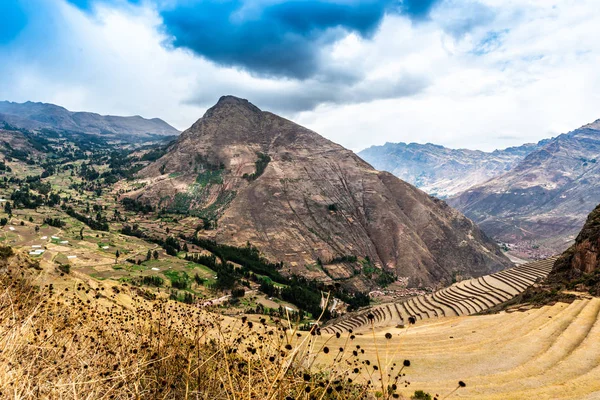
{"x": 583, "y": 258}
{"x": 307, "y": 201}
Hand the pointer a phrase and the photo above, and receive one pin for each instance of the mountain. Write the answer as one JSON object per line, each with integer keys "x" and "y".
{"x": 441, "y": 171}
{"x": 583, "y": 257}
{"x": 33, "y": 116}
{"x": 310, "y": 203}
{"x": 546, "y": 197}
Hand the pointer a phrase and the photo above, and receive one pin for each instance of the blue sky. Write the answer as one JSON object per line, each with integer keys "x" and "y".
{"x": 475, "y": 73}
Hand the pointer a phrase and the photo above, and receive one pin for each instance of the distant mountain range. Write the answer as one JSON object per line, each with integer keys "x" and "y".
{"x": 440, "y": 171}
{"x": 35, "y": 116}
{"x": 306, "y": 201}
{"x": 545, "y": 197}
{"x": 534, "y": 196}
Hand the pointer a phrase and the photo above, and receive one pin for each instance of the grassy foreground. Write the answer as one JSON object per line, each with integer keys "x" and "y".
{"x": 77, "y": 338}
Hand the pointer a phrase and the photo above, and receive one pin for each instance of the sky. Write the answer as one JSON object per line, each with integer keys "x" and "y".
{"x": 479, "y": 74}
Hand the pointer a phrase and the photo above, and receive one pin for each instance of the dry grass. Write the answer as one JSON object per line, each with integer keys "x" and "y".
{"x": 79, "y": 343}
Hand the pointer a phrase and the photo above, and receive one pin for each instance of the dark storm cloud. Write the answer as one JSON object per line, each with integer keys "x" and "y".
{"x": 270, "y": 37}
{"x": 281, "y": 39}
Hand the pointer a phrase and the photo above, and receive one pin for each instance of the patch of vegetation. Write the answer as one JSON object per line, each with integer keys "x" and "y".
{"x": 209, "y": 177}
{"x": 65, "y": 268}
{"x": 302, "y": 292}
{"x": 151, "y": 280}
{"x": 55, "y": 222}
{"x": 260, "y": 164}
{"x": 154, "y": 155}
{"x": 591, "y": 282}
{"x": 6, "y": 252}
{"x": 182, "y": 296}
{"x": 343, "y": 259}
{"x": 98, "y": 224}
{"x": 181, "y": 203}
{"x": 179, "y": 280}
{"x": 420, "y": 395}
{"x": 136, "y": 206}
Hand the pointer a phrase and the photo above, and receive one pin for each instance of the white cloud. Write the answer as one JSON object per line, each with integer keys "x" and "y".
{"x": 479, "y": 75}
{"x": 539, "y": 80}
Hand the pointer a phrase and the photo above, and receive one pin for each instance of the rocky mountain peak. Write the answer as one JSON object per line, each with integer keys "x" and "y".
{"x": 230, "y": 106}
{"x": 310, "y": 203}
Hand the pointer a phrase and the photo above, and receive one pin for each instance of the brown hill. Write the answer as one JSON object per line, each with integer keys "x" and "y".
{"x": 301, "y": 198}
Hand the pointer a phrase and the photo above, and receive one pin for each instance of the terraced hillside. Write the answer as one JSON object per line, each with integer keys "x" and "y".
{"x": 550, "y": 352}
{"x": 463, "y": 298}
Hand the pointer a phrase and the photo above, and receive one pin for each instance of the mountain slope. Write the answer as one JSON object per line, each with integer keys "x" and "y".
{"x": 41, "y": 115}
{"x": 583, "y": 257}
{"x": 546, "y": 197}
{"x": 440, "y": 171}
{"x": 300, "y": 198}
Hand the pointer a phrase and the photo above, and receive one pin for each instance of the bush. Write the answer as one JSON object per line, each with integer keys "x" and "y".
{"x": 66, "y": 268}
{"x": 421, "y": 395}
{"x": 6, "y": 252}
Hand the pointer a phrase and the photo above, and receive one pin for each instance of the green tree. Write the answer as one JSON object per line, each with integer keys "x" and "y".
{"x": 155, "y": 254}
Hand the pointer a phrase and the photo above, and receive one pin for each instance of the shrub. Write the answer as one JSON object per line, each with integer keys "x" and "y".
{"x": 66, "y": 268}
{"x": 6, "y": 252}
{"x": 421, "y": 395}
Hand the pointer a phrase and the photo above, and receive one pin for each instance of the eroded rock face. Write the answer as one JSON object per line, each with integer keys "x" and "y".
{"x": 584, "y": 256}
{"x": 315, "y": 200}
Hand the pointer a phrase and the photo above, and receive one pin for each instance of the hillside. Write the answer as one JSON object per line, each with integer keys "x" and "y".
{"x": 468, "y": 297}
{"x": 35, "y": 116}
{"x": 441, "y": 171}
{"x": 545, "y": 198}
{"x": 310, "y": 203}
{"x": 580, "y": 263}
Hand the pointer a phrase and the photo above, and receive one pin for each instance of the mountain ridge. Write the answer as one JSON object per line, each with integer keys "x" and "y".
{"x": 37, "y": 115}
{"x": 546, "y": 197}
{"x": 305, "y": 200}
{"x": 442, "y": 171}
